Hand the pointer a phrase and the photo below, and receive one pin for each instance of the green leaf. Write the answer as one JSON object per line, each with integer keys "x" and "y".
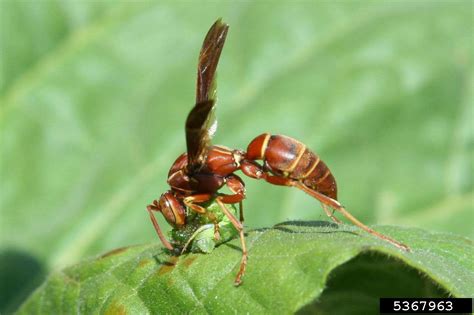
{"x": 298, "y": 265}
{"x": 94, "y": 96}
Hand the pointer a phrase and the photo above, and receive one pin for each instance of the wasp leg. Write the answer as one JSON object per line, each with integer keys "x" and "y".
{"x": 237, "y": 186}
{"x": 240, "y": 228}
{"x": 256, "y": 171}
{"x": 330, "y": 213}
{"x": 241, "y": 211}
{"x": 191, "y": 201}
{"x": 338, "y": 207}
{"x": 155, "y": 207}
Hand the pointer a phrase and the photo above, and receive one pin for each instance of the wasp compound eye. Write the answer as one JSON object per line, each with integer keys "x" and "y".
{"x": 172, "y": 209}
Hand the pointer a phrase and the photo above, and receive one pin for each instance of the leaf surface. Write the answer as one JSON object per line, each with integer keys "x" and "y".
{"x": 293, "y": 266}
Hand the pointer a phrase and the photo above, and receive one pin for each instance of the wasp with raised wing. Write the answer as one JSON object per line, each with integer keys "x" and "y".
{"x": 196, "y": 176}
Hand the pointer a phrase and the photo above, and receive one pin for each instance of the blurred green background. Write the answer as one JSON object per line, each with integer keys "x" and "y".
{"x": 94, "y": 96}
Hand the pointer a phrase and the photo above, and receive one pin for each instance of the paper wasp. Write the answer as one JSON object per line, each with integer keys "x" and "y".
{"x": 197, "y": 175}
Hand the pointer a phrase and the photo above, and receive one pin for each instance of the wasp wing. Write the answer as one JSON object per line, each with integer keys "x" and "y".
{"x": 201, "y": 123}
{"x": 208, "y": 60}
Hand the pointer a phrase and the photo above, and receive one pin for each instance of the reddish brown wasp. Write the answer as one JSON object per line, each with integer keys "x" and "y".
{"x": 197, "y": 175}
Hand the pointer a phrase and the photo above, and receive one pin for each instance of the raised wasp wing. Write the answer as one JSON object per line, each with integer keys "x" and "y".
{"x": 201, "y": 123}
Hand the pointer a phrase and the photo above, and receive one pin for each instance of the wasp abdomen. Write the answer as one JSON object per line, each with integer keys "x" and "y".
{"x": 287, "y": 157}
{"x": 322, "y": 180}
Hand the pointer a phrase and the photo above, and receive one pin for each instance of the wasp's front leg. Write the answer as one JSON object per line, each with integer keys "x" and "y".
{"x": 156, "y": 207}
{"x": 191, "y": 202}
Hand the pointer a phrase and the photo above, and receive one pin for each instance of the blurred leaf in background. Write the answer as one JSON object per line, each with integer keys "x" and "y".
{"x": 94, "y": 96}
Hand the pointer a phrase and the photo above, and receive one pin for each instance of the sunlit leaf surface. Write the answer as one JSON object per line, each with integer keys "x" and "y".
{"x": 289, "y": 266}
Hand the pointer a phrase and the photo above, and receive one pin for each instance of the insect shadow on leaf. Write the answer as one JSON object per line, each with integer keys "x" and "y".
{"x": 286, "y": 227}
{"x": 167, "y": 265}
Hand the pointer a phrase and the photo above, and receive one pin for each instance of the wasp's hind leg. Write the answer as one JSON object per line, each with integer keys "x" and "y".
{"x": 338, "y": 207}
{"x": 330, "y": 213}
